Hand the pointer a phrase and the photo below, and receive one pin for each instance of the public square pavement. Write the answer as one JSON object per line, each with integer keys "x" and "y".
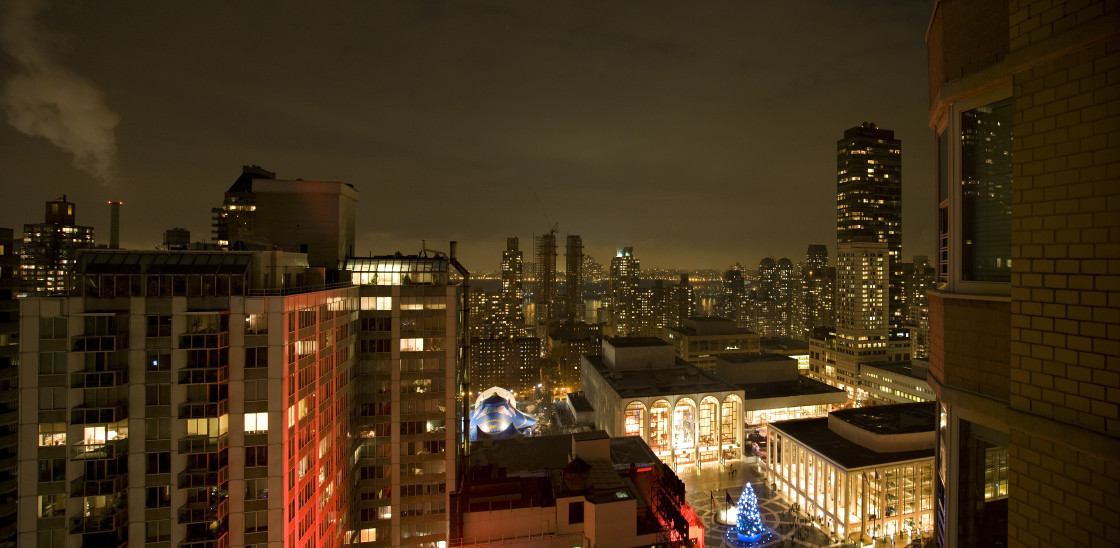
{"x": 714, "y": 479}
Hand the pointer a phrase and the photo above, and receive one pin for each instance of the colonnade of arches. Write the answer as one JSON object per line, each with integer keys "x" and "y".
{"x": 687, "y": 432}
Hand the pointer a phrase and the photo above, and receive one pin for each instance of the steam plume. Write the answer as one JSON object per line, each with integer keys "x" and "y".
{"x": 45, "y": 99}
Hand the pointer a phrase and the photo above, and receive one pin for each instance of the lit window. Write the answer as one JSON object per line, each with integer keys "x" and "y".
{"x": 256, "y": 423}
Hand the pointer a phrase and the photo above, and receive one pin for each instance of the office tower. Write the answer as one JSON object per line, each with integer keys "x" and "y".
{"x": 312, "y": 217}
{"x": 623, "y": 292}
{"x": 9, "y": 385}
{"x": 1023, "y": 328}
{"x": 512, "y": 320}
{"x": 573, "y": 279}
{"x": 545, "y": 298}
{"x": 818, "y": 283}
{"x": 188, "y": 399}
{"x": 49, "y": 249}
{"x": 409, "y": 372}
{"x": 869, "y": 197}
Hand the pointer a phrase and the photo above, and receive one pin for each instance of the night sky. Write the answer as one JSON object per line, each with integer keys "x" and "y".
{"x": 700, "y": 134}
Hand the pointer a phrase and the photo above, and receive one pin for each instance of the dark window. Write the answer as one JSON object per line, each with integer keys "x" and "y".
{"x": 575, "y": 512}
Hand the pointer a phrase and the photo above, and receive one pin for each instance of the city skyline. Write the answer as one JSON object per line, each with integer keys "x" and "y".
{"x": 537, "y": 115}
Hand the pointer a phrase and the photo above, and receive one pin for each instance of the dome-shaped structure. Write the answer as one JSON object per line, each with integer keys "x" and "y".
{"x": 496, "y": 418}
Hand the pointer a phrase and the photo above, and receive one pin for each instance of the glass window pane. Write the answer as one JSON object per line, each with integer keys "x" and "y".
{"x": 986, "y": 193}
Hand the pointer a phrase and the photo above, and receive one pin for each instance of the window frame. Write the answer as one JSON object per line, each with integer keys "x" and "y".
{"x": 954, "y": 201}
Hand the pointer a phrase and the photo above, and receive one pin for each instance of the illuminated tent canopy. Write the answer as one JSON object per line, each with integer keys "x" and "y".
{"x": 496, "y": 418}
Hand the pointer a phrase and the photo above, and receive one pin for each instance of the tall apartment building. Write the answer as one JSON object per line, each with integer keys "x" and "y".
{"x": 258, "y": 210}
{"x": 48, "y": 249}
{"x": 573, "y": 279}
{"x": 818, "y": 284}
{"x": 920, "y": 279}
{"x": 512, "y": 363}
{"x": 408, "y": 361}
{"x": 869, "y": 198}
{"x": 733, "y": 304}
{"x": 1024, "y": 330}
{"x": 512, "y": 320}
{"x": 545, "y": 297}
{"x": 188, "y": 399}
{"x": 9, "y": 385}
{"x": 625, "y": 310}
{"x": 773, "y": 303}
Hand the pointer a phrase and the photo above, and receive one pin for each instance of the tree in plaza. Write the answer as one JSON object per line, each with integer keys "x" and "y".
{"x": 749, "y": 526}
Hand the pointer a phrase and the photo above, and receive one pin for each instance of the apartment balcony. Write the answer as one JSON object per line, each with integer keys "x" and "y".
{"x": 99, "y": 343}
{"x": 104, "y": 521}
{"x": 202, "y": 477}
{"x": 204, "y": 410}
{"x": 99, "y": 379}
{"x": 83, "y": 487}
{"x": 99, "y": 451}
{"x": 99, "y": 414}
{"x": 203, "y": 444}
{"x": 204, "y": 512}
{"x": 204, "y": 375}
{"x": 200, "y": 536}
{"x": 204, "y": 341}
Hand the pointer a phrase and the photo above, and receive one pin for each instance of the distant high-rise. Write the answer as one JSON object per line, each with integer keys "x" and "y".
{"x": 573, "y": 279}
{"x": 733, "y": 303}
{"x": 513, "y": 318}
{"x": 818, "y": 287}
{"x": 49, "y": 249}
{"x": 869, "y": 198}
{"x": 623, "y": 292}
{"x": 773, "y": 298}
{"x": 545, "y": 297}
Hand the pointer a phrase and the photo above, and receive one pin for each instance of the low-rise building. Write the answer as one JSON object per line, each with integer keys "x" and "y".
{"x": 583, "y": 489}
{"x": 639, "y": 387}
{"x": 894, "y": 382}
{"x": 862, "y": 473}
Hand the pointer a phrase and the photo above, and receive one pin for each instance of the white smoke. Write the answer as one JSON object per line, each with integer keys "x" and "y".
{"x": 45, "y": 99}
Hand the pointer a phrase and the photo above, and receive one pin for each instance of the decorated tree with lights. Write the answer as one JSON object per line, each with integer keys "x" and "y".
{"x": 749, "y": 526}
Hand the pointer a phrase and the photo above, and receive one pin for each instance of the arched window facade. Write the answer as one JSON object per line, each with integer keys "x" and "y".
{"x": 634, "y": 421}
{"x": 708, "y": 429}
{"x": 731, "y": 420}
{"x": 659, "y": 430}
{"x": 684, "y": 431}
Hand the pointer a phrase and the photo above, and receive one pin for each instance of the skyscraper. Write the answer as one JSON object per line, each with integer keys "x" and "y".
{"x": 50, "y": 248}
{"x": 869, "y": 198}
{"x": 9, "y": 386}
{"x": 818, "y": 286}
{"x": 545, "y": 297}
{"x": 513, "y": 318}
{"x": 573, "y": 279}
{"x": 623, "y": 292}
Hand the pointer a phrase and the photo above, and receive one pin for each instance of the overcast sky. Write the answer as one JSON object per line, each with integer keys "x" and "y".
{"x": 701, "y": 134}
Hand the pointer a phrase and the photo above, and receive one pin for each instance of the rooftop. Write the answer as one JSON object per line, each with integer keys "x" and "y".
{"x": 162, "y": 262}
{"x": 681, "y": 378}
{"x": 801, "y": 386}
{"x": 850, "y": 455}
{"x": 635, "y": 342}
{"x": 901, "y": 418}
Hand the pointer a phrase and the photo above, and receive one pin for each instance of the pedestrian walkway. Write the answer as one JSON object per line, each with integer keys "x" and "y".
{"x": 708, "y": 487}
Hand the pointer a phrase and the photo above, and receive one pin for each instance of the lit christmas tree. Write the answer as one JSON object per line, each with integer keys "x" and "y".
{"x": 749, "y": 528}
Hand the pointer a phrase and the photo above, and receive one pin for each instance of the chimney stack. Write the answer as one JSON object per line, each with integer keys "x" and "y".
{"x": 114, "y": 225}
